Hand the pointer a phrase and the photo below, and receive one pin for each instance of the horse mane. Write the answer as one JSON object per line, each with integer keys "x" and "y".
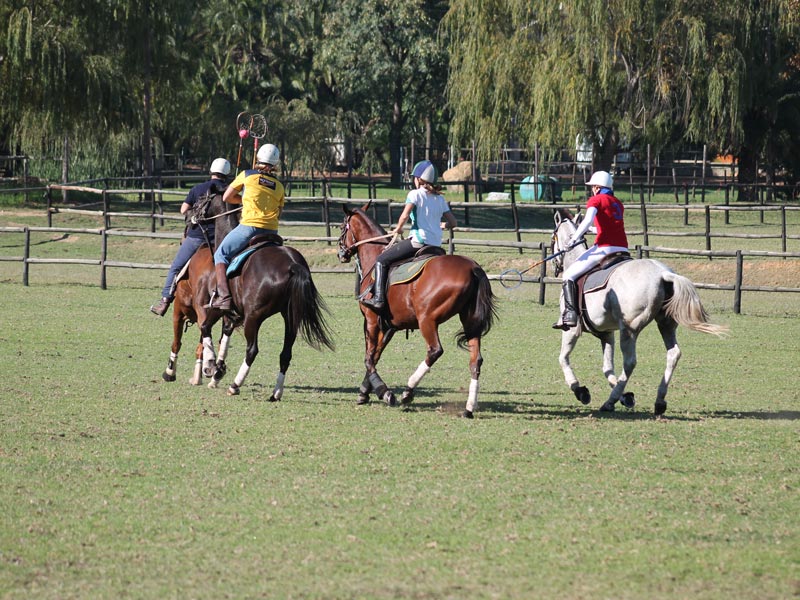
{"x": 377, "y": 228}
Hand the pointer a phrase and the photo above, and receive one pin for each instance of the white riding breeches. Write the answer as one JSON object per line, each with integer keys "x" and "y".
{"x": 589, "y": 259}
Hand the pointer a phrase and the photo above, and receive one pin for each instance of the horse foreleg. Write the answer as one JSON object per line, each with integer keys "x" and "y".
{"x": 289, "y": 337}
{"x": 197, "y": 374}
{"x": 374, "y": 342}
{"x": 430, "y": 333}
{"x": 178, "y": 321}
{"x": 607, "y": 345}
{"x": 568, "y": 340}
{"x": 220, "y": 367}
{"x": 667, "y": 330}
{"x": 627, "y": 343}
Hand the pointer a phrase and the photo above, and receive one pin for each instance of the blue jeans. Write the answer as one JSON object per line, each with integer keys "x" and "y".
{"x": 236, "y": 241}
{"x": 188, "y": 247}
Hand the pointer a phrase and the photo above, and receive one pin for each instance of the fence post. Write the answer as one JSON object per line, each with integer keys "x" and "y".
{"x": 326, "y": 216}
{"x": 515, "y": 215}
{"x": 727, "y": 203}
{"x": 389, "y": 211}
{"x": 737, "y": 286}
{"x": 466, "y": 201}
{"x": 708, "y": 229}
{"x": 643, "y": 210}
{"x": 686, "y": 204}
{"x": 26, "y": 255}
{"x": 25, "y": 178}
{"x": 106, "y": 218}
{"x": 103, "y": 258}
{"x": 542, "y": 273}
{"x": 49, "y": 198}
{"x": 783, "y": 229}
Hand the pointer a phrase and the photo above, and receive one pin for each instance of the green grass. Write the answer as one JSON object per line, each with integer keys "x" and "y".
{"x": 116, "y": 484}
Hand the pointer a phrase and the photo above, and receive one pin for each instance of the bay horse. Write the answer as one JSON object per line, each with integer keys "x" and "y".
{"x": 448, "y": 285}
{"x": 637, "y": 292}
{"x": 274, "y": 279}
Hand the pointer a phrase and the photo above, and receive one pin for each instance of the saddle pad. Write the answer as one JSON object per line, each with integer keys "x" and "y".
{"x": 238, "y": 261}
{"x": 597, "y": 279}
{"x": 405, "y": 272}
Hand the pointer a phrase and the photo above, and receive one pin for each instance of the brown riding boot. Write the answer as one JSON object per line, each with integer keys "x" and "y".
{"x": 222, "y": 300}
{"x": 162, "y": 306}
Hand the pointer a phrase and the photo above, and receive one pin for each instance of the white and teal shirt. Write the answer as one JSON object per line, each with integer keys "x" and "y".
{"x": 426, "y": 216}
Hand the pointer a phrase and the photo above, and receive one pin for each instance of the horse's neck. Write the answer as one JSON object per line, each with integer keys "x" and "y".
{"x": 224, "y": 225}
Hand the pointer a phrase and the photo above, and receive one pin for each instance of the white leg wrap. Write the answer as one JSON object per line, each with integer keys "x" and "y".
{"x": 240, "y": 376}
{"x": 208, "y": 350}
{"x": 173, "y": 364}
{"x": 472, "y": 400}
{"x": 278, "y": 391}
{"x": 417, "y": 376}
{"x": 224, "y": 343}
{"x": 197, "y": 376}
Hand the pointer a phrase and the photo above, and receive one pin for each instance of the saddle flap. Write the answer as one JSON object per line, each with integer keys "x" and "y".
{"x": 404, "y": 272}
{"x": 261, "y": 240}
{"x": 597, "y": 278}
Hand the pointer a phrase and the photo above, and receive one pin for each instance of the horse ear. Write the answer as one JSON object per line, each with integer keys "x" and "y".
{"x": 365, "y": 208}
{"x": 557, "y": 218}
{"x": 346, "y": 210}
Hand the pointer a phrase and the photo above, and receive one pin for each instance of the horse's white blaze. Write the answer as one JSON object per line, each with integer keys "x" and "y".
{"x": 278, "y": 391}
{"x": 472, "y": 399}
{"x": 417, "y": 375}
{"x": 242, "y": 374}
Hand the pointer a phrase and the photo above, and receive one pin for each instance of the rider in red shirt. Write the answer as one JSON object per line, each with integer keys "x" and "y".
{"x": 606, "y": 212}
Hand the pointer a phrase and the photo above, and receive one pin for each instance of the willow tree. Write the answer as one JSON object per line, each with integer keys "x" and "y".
{"x": 640, "y": 70}
{"x": 59, "y": 82}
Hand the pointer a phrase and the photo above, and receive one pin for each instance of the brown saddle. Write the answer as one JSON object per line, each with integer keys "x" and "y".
{"x": 266, "y": 238}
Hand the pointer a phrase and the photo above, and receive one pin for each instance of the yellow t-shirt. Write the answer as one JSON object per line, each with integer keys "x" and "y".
{"x": 262, "y": 198}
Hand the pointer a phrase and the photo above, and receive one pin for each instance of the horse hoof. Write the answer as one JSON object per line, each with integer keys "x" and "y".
{"x": 233, "y": 391}
{"x": 628, "y": 400}
{"x": 194, "y": 381}
{"x": 467, "y": 414}
{"x": 166, "y": 377}
{"x": 274, "y": 399}
{"x": 213, "y": 384}
{"x": 407, "y": 397}
{"x": 582, "y": 394}
{"x": 390, "y": 398}
{"x": 607, "y": 407}
{"x": 362, "y": 399}
{"x": 660, "y": 408}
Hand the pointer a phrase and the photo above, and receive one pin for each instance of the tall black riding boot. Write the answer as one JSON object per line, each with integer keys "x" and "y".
{"x": 222, "y": 300}
{"x": 378, "y": 299}
{"x": 569, "y": 318}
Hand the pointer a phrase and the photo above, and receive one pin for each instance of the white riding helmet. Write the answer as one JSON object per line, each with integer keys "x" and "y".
{"x": 268, "y": 154}
{"x": 220, "y": 166}
{"x": 601, "y": 178}
{"x": 425, "y": 170}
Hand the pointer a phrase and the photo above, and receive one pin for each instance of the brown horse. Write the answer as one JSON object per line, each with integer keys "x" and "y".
{"x": 192, "y": 296}
{"x": 449, "y": 285}
{"x": 274, "y": 279}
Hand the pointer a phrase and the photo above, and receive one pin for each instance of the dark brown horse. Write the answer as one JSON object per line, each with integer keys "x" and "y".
{"x": 449, "y": 285}
{"x": 274, "y": 279}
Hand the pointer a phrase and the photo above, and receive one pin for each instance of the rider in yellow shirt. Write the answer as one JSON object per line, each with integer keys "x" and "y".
{"x": 262, "y": 198}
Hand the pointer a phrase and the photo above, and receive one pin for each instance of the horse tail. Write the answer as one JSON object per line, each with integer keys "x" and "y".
{"x": 478, "y": 315}
{"x": 685, "y": 308}
{"x": 306, "y": 308}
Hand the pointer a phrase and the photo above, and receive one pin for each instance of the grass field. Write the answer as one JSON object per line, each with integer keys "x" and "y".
{"x": 116, "y": 484}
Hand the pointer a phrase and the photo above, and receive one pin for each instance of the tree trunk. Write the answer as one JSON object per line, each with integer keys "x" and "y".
{"x": 396, "y": 134}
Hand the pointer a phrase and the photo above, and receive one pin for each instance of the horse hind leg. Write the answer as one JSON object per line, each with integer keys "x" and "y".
{"x": 475, "y": 363}
{"x": 627, "y": 342}
{"x": 430, "y": 333}
{"x": 220, "y": 367}
{"x": 178, "y": 321}
{"x": 197, "y": 374}
{"x": 667, "y": 329}
{"x": 568, "y": 340}
{"x": 285, "y": 359}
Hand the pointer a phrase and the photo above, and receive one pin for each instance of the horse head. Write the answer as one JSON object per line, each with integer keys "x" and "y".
{"x": 211, "y": 208}
{"x": 355, "y": 229}
{"x": 565, "y": 225}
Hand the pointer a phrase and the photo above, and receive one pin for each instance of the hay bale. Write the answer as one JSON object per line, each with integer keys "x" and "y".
{"x": 461, "y": 172}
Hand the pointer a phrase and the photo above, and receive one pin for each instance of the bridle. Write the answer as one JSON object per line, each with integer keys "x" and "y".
{"x": 346, "y": 251}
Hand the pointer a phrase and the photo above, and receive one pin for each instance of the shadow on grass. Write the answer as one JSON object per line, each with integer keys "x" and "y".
{"x": 437, "y": 399}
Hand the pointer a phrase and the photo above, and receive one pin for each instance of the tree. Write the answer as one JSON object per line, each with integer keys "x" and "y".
{"x": 384, "y": 58}
{"x": 642, "y": 70}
